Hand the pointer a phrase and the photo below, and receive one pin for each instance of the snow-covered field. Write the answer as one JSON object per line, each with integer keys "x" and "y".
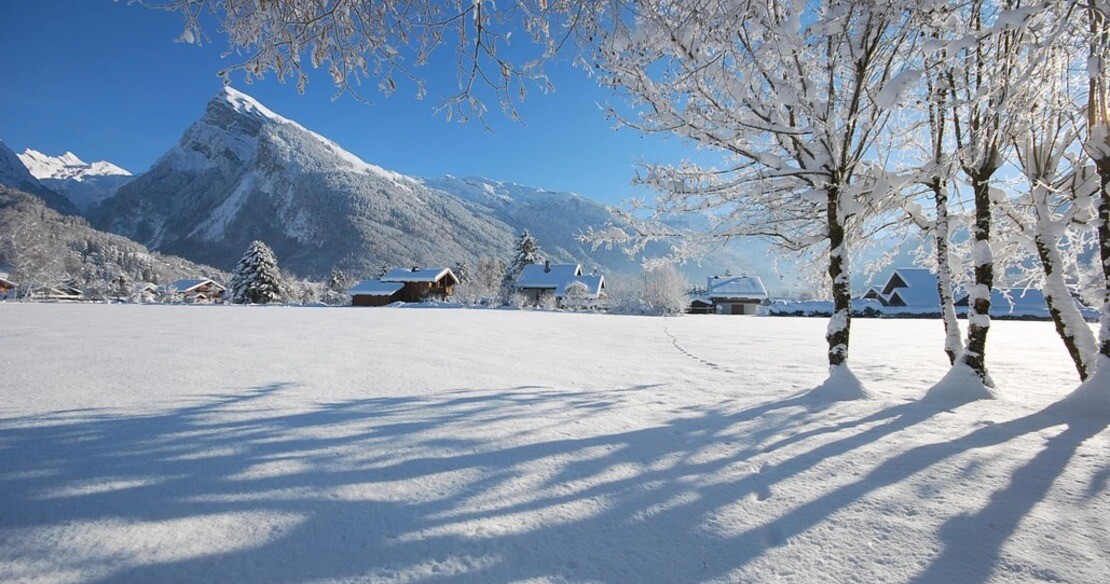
{"x": 231, "y": 444}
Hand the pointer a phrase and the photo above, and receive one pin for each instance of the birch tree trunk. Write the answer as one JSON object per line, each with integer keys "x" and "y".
{"x": 953, "y": 344}
{"x": 840, "y": 324}
{"x": 979, "y": 297}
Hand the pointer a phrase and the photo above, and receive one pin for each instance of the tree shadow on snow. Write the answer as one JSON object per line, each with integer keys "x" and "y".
{"x": 453, "y": 487}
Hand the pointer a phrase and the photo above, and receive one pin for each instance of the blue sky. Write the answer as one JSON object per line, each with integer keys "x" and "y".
{"x": 105, "y": 80}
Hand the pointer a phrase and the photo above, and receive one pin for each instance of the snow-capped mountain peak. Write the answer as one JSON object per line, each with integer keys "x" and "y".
{"x": 84, "y": 184}
{"x": 246, "y": 104}
{"x": 67, "y": 166}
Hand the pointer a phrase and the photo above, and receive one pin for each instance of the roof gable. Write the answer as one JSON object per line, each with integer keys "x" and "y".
{"x": 912, "y": 287}
{"x": 375, "y": 288}
{"x": 735, "y": 287}
{"x": 191, "y": 284}
{"x": 419, "y": 275}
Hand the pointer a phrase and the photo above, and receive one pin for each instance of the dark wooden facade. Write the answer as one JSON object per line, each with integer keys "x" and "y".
{"x": 375, "y": 300}
{"x": 421, "y": 291}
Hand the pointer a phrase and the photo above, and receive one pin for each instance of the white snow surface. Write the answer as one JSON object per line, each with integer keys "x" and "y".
{"x": 453, "y": 445}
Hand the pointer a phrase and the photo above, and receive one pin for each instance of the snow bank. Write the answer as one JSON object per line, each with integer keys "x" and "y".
{"x": 1092, "y": 398}
{"x": 841, "y": 385}
{"x": 959, "y": 385}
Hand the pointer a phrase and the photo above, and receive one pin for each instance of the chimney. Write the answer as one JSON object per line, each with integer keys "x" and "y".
{"x": 547, "y": 265}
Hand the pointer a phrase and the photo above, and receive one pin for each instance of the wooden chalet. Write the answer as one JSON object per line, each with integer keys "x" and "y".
{"x": 6, "y": 286}
{"x": 405, "y": 285}
{"x": 196, "y": 290}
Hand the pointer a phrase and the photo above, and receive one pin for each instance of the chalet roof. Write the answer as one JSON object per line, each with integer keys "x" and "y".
{"x": 557, "y": 277}
{"x": 735, "y": 287}
{"x": 912, "y": 287}
{"x": 4, "y": 281}
{"x": 190, "y": 284}
{"x": 375, "y": 288}
{"x": 417, "y": 275}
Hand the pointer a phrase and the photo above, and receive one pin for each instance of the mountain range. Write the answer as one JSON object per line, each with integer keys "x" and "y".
{"x": 242, "y": 172}
{"x": 84, "y": 184}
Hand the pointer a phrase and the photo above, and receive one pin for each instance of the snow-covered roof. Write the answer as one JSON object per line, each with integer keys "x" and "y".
{"x": 911, "y": 287}
{"x": 735, "y": 287}
{"x": 375, "y": 288}
{"x": 1013, "y": 302}
{"x": 547, "y": 276}
{"x": 701, "y": 299}
{"x": 4, "y": 281}
{"x": 417, "y": 275}
{"x": 557, "y": 277}
{"x": 189, "y": 284}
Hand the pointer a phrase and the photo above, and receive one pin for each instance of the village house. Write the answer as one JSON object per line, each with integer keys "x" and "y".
{"x": 910, "y": 288}
{"x": 547, "y": 280}
{"x": 404, "y": 285}
{"x": 195, "y": 290}
{"x": 733, "y": 294}
{"x": 6, "y": 286}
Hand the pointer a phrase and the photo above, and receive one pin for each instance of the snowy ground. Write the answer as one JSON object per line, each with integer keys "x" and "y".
{"x": 229, "y": 444}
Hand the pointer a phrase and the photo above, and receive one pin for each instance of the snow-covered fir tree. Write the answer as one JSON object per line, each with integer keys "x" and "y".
{"x": 527, "y": 253}
{"x": 257, "y": 278}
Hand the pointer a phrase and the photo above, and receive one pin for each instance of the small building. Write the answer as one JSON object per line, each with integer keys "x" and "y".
{"x": 539, "y": 281}
{"x": 196, "y": 290}
{"x": 420, "y": 284}
{"x": 375, "y": 293}
{"x": 735, "y": 294}
{"x": 6, "y": 285}
{"x": 405, "y": 285}
{"x": 700, "y": 304}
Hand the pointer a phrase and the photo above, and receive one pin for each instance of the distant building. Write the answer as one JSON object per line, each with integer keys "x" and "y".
{"x": 539, "y": 281}
{"x": 375, "y": 293}
{"x": 62, "y": 293}
{"x": 6, "y": 285}
{"x": 734, "y": 294}
{"x": 404, "y": 285}
{"x": 196, "y": 290}
{"x": 909, "y": 287}
{"x": 1021, "y": 303}
{"x": 700, "y": 304}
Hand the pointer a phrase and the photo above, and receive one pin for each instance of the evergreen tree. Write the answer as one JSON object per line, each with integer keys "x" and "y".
{"x": 257, "y": 279}
{"x": 462, "y": 272}
{"x": 527, "y": 253}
